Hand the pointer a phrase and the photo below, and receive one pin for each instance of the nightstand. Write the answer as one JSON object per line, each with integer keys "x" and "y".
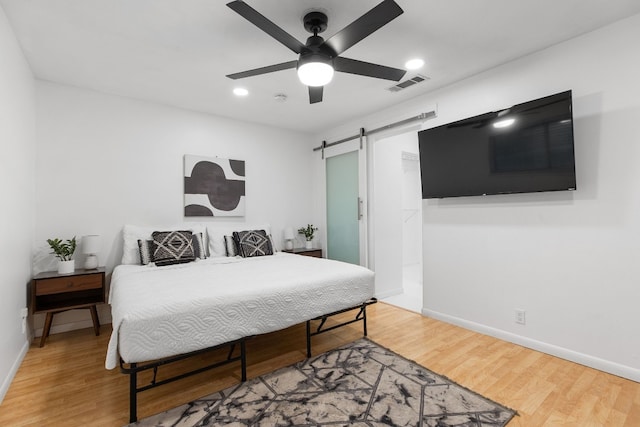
{"x": 53, "y": 293}
{"x": 317, "y": 253}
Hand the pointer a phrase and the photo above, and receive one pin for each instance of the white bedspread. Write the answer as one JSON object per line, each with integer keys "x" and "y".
{"x": 164, "y": 311}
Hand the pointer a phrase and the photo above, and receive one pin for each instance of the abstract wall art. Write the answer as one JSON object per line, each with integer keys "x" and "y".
{"x": 213, "y": 186}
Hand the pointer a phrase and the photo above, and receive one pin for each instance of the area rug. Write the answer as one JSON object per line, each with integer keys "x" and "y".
{"x": 360, "y": 384}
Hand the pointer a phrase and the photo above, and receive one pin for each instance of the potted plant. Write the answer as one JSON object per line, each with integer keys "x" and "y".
{"x": 64, "y": 251}
{"x": 308, "y": 232}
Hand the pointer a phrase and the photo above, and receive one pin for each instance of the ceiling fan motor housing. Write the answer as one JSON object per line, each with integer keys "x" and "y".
{"x": 315, "y": 49}
{"x": 307, "y": 57}
{"x": 315, "y": 22}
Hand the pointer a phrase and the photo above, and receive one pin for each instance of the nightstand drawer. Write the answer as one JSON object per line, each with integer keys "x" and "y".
{"x": 68, "y": 284}
{"x": 316, "y": 253}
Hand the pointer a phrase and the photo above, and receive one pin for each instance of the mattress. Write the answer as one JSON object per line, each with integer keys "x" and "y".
{"x": 165, "y": 311}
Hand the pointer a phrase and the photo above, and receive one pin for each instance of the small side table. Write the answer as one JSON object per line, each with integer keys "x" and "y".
{"x": 54, "y": 293}
{"x": 317, "y": 253}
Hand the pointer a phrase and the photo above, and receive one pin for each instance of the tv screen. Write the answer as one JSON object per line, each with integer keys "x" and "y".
{"x": 522, "y": 149}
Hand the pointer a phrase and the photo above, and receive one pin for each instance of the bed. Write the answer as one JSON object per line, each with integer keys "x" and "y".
{"x": 167, "y": 312}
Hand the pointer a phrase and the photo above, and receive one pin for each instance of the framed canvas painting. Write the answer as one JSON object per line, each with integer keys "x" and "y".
{"x": 213, "y": 186}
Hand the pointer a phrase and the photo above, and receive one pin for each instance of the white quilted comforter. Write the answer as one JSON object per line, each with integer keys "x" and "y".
{"x": 164, "y": 311}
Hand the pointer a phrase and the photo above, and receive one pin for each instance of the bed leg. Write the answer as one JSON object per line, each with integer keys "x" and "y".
{"x": 364, "y": 318}
{"x": 308, "y": 338}
{"x": 243, "y": 360}
{"x": 133, "y": 394}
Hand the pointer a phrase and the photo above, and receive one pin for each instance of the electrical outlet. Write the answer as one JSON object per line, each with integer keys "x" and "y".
{"x": 24, "y": 312}
{"x": 521, "y": 317}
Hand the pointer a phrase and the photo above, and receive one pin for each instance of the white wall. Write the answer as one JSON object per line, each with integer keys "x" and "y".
{"x": 17, "y": 192}
{"x": 570, "y": 259}
{"x": 105, "y": 161}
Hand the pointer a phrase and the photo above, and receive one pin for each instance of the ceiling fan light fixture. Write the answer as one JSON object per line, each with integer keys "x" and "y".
{"x": 315, "y": 70}
{"x": 315, "y": 73}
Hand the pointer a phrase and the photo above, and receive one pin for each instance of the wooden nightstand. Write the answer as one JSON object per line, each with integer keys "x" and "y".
{"x": 53, "y": 293}
{"x": 317, "y": 253}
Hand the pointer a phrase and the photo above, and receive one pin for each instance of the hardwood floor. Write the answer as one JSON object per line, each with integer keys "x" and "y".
{"x": 65, "y": 382}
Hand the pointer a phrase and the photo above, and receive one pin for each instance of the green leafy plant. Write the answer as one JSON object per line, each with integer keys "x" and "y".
{"x": 308, "y": 231}
{"x": 63, "y": 250}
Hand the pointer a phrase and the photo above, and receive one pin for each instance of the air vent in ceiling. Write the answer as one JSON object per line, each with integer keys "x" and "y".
{"x": 419, "y": 78}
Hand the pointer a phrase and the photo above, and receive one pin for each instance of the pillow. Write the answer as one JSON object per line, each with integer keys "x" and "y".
{"x": 146, "y": 251}
{"x": 146, "y": 248}
{"x": 217, "y": 231}
{"x": 273, "y": 244}
{"x": 230, "y": 245}
{"x": 199, "y": 249}
{"x": 132, "y": 233}
{"x": 172, "y": 247}
{"x": 252, "y": 243}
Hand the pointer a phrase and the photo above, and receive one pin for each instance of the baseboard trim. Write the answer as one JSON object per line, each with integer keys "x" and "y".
{"x": 66, "y": 327}
{"x": 105, "y": 317}
{"x": 553, "y": 350}
{"x": 6, "y": 383}
{"x": 390, "y": 293}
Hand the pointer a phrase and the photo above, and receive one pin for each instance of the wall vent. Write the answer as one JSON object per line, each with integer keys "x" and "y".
{"x": 419, "y": 78}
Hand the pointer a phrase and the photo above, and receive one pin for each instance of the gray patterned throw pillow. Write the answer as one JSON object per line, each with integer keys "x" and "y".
{"x": 146, "y": 249}
{"x": 252, "y": 243}
{"x": 172, "y": 247}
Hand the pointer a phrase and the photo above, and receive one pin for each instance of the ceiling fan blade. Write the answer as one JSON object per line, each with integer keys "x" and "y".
{"x": 253, "y": 16}
{"x": 371, "y": 21}
{"x": 263, "y": 70}
{"x": 315, "y": 94}
{"x": 362, "y": 68}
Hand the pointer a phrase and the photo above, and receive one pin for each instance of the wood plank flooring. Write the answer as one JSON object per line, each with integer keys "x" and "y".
{"x": 65, "y": 382}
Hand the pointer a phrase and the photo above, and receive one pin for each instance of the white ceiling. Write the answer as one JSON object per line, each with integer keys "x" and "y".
{"x": 177, "y": 52}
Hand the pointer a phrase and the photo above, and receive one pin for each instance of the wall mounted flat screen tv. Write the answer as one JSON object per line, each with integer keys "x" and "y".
{"x": 522, "y": 149}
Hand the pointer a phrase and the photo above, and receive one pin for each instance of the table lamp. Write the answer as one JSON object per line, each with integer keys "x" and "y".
{"x": 90, "y": 247}
{"x": 288, "y": 238}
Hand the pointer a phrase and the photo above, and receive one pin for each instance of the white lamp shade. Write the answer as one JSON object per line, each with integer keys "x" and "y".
{"x": 315, "y": 73}
{"x": 288, "y": 234}
{"x": 91, "y": 244}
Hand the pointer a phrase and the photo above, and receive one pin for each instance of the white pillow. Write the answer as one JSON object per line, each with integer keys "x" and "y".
{"x": 132, "y": 233}
{"x": 216, "y": 233}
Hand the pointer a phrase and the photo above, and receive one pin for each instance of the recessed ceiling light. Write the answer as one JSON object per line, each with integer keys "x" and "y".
{"x": 240, "y": 91}
{"x": 414, "y": 64}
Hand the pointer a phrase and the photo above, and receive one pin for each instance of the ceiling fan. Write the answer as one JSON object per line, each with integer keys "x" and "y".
{"x": 318, "y": 59}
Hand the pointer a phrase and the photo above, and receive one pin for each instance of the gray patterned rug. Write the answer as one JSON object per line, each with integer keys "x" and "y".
{"x": 360, "y": 384}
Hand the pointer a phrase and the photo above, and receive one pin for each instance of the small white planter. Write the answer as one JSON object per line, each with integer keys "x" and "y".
{"x": 309, "y": 244}
{"x": 66, "y": 267}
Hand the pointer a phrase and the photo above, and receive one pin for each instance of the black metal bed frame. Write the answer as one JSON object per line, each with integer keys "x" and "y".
{"x": 132, "y": 369}
{"x": 360, "y": 316}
